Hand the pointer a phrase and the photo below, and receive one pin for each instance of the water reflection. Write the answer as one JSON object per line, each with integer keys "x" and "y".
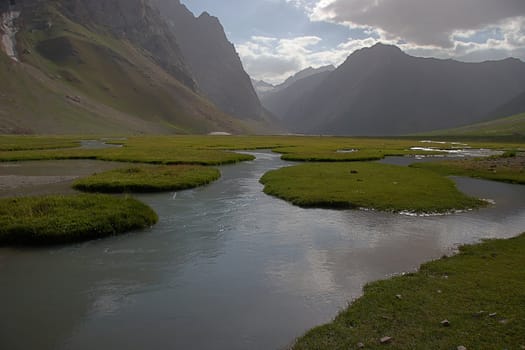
{"x": 227, "y": 267}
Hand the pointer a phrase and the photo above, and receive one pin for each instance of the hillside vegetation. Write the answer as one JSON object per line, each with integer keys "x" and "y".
{"x": 83, "y": 79}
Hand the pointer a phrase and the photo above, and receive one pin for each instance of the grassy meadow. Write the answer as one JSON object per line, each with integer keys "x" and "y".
{"x": 68, "y": 219}
{"x": 148, "y": 179}
{"x": 367, "y": 185}
{"x": 480, "y": 292}
{"x": 216, "y": 150}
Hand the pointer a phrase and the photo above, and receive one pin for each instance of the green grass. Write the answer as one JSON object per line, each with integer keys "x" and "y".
{"x": 67, "y": 219}
{"x": 508, "y": 126}
{"x": 508, "y": 168}
{"x": 487, "y": 277}
{"x": 24, "y": 143}
{"x": 148, "y": 179}
{"x": 367, "y": 185}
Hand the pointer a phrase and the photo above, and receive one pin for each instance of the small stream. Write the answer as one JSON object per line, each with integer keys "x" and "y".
{"x": 227, "y": 267}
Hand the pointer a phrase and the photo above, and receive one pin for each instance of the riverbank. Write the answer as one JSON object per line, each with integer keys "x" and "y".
{"x": 474, "y": 299}
{"x": 507, "y": 168}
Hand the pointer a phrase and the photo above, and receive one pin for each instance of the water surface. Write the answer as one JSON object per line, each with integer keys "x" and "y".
{"x": 227, "y": 267}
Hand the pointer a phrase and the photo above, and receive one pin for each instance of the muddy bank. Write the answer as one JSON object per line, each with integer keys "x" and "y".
{"x": 47, "y": 177}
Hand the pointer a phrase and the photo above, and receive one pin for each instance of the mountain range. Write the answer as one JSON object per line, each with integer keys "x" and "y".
{"x": 383, "y": 91}
{"x": 151, "y": 66}
{"x": 120, "y": 66}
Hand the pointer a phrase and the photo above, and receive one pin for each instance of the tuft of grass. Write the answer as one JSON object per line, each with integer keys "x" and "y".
{"x": 66, "y": 219}
{"x": 481, "y": 292}
{"x": 510, "y": 167}
{"x": 149, "y": 179}
{"x": 369, "y": 185}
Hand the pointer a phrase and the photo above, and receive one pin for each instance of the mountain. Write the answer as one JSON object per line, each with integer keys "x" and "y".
{"x": 213, "y": 60}
{"x": 305, "y": 73}
{"x": 383, "y": 91}
{"x": 283, "y": 99}
{"x": 513, "y": 126}
{"x": 262, "y": 88}
{"x": 105, "y": 66}
{"x": 514, "y": 106}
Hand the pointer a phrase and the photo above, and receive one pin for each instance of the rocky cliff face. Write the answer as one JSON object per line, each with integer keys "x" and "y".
{"x": 138, "y": 22}
{"x": 213, "y": 60}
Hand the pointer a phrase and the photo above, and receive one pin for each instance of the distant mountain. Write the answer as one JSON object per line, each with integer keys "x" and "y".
{"x": 281, "y": 101}
{"x": 104, "y": 67}
{"x": 213, "y": 60}
{"x": 383, "y": 91}
{"x": 305, "y": 73}
{"x": 262, "y": 88}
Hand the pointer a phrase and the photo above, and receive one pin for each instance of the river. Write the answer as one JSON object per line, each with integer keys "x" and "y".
{"x": 227, "y": 267}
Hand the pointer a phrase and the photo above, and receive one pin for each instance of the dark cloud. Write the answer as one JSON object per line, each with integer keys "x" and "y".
{"x": 422, "y": 22}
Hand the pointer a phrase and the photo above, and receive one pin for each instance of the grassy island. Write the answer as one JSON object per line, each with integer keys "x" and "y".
{"x": 480, "y": 293}
{"x": 148, "y": 179}
{"x": 368, "y": 185}
{"x": 68, "y": 219}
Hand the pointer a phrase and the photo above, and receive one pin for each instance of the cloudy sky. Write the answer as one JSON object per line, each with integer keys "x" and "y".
{"x": 276, "y": 38}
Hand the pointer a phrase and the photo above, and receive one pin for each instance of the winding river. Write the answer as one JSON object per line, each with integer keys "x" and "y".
{"x": 227, "y": 267}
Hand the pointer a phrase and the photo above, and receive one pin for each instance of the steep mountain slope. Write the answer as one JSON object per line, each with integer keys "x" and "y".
{"x": 213, "y": 60}
{"x": 383, "y": 91}
{"x": 101, "y": 67}
{"x": 515, "y": 106}
{"x": 282, "y": 100}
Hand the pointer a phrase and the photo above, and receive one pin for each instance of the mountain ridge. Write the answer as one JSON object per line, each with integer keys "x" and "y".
{"x": 91, "y": 72}
{"x": 383, "y": 91}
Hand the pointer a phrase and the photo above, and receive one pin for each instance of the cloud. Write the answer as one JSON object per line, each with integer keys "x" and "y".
{"x": 421, "y": 22}
{"x": 466, "y": 30}
{"x": 274, "y": 59}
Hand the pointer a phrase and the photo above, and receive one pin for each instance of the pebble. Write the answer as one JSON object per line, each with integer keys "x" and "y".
{"x": 385, "y": 340}
{"x": 445, "y": 323}
{"x": 461, "y": 347}
{"x": 360, "y": 345}
{"x": 439, "y": 291}
{"x": 504, "y": 321}
{"x": 479, "y": 313}
{"x": 399, "y": 296}
{"x": 494, "y": 314}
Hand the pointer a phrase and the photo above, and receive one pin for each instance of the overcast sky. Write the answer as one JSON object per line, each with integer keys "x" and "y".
{"x": 276, "y": 38}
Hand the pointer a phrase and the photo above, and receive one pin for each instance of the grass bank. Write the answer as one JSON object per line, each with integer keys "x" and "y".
{"x": 148, "y": 179}
{"x": 67, "y": 219}
{"x": 368, "y": 185}
{"x": 507, "y": 168}
{"x": 481, "y": 292}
